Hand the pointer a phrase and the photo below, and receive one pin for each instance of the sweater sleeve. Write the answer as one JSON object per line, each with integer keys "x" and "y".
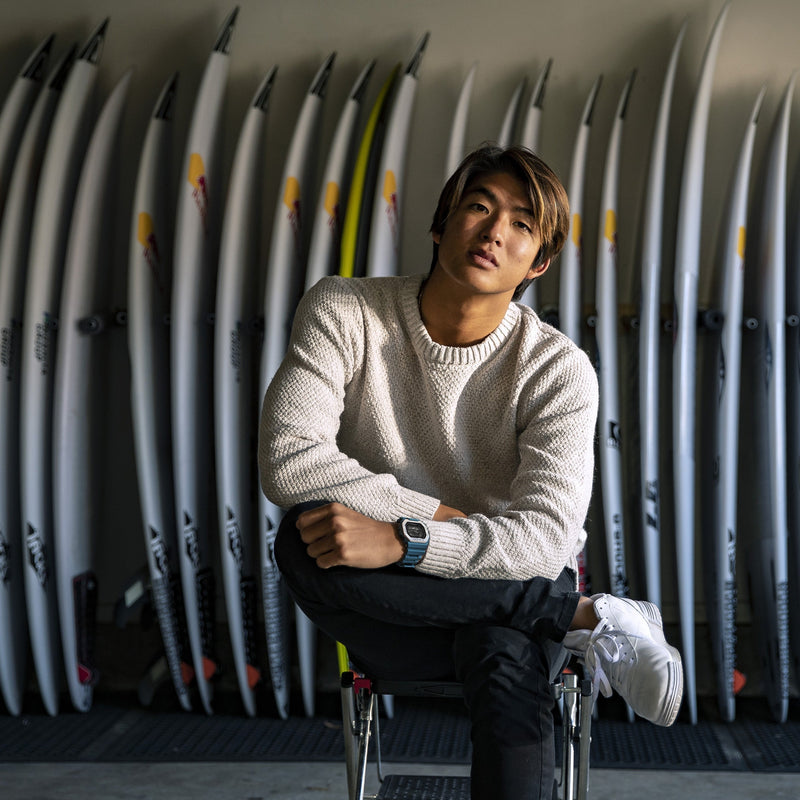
{"x": 541, "y": 530}
{"x": 298, "y": 455}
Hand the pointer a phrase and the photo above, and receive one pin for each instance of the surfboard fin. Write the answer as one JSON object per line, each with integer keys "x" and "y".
{"x": 84, "y": 594}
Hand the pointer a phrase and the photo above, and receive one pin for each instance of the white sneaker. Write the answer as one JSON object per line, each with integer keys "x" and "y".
{"x": 627, "y": 652}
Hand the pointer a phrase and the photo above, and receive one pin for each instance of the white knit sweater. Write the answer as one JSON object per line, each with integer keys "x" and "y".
{"x": 369, "y": 411}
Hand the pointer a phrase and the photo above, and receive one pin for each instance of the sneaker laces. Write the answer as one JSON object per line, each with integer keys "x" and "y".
{"x": 603, "y": 650}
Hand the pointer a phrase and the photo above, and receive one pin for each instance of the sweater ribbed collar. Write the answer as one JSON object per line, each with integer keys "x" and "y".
{"x": 446, "y": 354}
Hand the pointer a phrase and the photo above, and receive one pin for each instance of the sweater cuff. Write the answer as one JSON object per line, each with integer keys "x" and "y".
{"x": 416, "y": 505}
{"x": 445, "y": 555}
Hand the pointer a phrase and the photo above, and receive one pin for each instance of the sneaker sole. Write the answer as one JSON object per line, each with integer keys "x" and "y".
{"x": 674, "y": 693}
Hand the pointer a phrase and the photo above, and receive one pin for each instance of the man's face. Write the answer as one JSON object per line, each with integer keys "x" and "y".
{"x": 490, "y": 242}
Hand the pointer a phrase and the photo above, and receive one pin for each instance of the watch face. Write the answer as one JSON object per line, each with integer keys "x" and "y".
{"x": 415, "y": 530}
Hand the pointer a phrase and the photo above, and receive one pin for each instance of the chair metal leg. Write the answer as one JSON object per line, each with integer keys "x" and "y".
{"x": 366, "y": 706}
{"x": 576, "y": 703}
{"x": 358, "y": 711}
{"x": 587, "y": 702}
{"x": 350, "y": 732}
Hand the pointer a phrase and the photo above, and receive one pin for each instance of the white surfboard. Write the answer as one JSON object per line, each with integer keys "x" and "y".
{"x": 325, "y": 249}
{"x": 235, "y": 411}
{"x": 53, "y": 209}
{"x": 529, "y": 137}
{"x": 793, "y": 414}
{"x": 192, "y": 346}
{"x": 458, "y": 128}
{"x": 609, "y": 422}
{"x": 650, "y": 335}
{"x": 14, "y": 249}
{"x": 571, "y": 263}
{"x": 571, "y": 258}
{"x": 532, "y": 123}
{"x": 687, "y": 268}
{"x": 508, "y": 127}
{"x": 16, "y": 109}
{"x": 762, "y": 507}
{"x": 149, "y": 284}
{"x": 383, "y": 255}
{"x": 285, "y": 279}
{"x": 76, "y": 409}
{"x": 720, "y": 435}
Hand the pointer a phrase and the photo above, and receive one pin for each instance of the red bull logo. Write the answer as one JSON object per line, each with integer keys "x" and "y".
{"x": 291, "y": 199}
{"x": 610, "y": 231}
{"x": 146, "y": 236}
{"x": 577, "y": 230}
{"x": 740, "y": 243}
{"x": 199, "y": 181}
{"x": 392, "y": 210}
{"x": 331, "y": 206}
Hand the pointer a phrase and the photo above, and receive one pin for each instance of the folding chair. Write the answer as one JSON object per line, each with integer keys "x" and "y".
{"x": 360, "y": 709}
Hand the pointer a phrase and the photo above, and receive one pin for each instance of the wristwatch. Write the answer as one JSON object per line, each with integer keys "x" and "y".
{"x": 414, "y": 534}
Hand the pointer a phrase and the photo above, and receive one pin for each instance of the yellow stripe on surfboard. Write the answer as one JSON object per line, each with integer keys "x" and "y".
{"x": 350, "y": 226}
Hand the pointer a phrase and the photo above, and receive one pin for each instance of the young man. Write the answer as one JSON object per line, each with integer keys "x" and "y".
{"x": 441, "y": 437}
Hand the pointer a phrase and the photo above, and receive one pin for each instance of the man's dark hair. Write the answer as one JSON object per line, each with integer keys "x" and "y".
{"x": 546, "y": 194}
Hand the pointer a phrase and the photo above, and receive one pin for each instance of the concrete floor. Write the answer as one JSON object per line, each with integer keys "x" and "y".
{"x": 325, "y": 781}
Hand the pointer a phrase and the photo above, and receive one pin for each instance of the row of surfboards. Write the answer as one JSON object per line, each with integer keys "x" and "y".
{"x": 191, "y": 377}
{"x": 746, "y": 373}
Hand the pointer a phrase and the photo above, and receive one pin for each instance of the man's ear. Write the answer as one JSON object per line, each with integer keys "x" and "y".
{"x": 437, "y": 237}
{"x": 538, "y": 269}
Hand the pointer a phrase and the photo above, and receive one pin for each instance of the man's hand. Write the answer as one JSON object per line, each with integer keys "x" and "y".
{"x": 336, "y": 535}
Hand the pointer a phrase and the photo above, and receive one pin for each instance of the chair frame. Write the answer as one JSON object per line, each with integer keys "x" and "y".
{"x": 359, "y": 695}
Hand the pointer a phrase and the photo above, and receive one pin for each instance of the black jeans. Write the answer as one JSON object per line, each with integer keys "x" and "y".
{"x": 500, "y": 638}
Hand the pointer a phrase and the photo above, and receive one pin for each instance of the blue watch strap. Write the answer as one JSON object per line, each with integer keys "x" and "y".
{"x": 415, "y": 534}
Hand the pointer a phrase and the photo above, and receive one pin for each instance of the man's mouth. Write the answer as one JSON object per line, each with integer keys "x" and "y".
{"x": 484, "y": 257}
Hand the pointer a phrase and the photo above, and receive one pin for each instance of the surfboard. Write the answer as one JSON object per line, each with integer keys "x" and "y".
{"x": 285, "y": 279}
{"x": 14, "y": 249}
{"x": 684, "y": 353}
{"x": 358, "y": 216}
{"x": 55, "y": 194}
{"x": 383, "y": 255}
{"x": 458, "y": 128}
{"x": 508, "y": 127}
{"x": 571, "y": 264}
{"x": 571, "y": 258}
{"x": 762, "y": 508}
{"x": 324, "y": 252}
{"x": 529, "y": 137}
{"x": 192, "y": 346}
{"x": 793, "y": 415}
{"x": 650, "y": 334}
{"x": 83, "y": 318}
{"x": 720, "y": 435}
{"x": 17, "y": 108}
{"x": 532, "y": 124}
{"x": 149, "y": 283}
{"x": 235, "y": 411}
{"x": 609, "y": 422}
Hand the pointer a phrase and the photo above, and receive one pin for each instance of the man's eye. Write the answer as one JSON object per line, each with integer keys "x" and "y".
{"x": 476, "y": 206}
{"x": 524, "y": 226}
